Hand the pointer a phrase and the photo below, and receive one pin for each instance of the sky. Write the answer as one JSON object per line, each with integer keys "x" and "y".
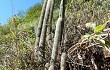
{"x": 11, "y": 7}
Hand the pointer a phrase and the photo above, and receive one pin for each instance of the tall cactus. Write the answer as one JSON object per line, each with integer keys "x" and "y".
{"x": 55, "y": 44}
{"x": 57, "y": 37}
{"x": 49, "y": 28}
{"x": 41, "y": 51}
{"x": 39, "y": 28}
{"x": 63, "y": 61}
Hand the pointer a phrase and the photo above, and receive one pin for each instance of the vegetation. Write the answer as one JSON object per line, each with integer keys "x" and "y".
{"x": 54, "y": 31}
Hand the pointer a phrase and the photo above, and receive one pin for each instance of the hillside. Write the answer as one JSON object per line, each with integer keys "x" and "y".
{"x": 60, "y": 35}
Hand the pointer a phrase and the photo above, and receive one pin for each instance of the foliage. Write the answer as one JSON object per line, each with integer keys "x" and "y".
{"x": 17, "y": 40}
{"x": 98, "y": 30}
{"x": 33, "y": 12}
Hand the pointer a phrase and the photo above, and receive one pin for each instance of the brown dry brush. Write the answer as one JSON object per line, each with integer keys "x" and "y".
{"x": 88, "y": 55}
{"x": 80, "y": 13}
{"x": 76, "y": 17}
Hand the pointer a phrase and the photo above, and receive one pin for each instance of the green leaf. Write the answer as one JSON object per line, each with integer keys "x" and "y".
{"x": 21, "y": 42}
{"x": 99, "y": 28}
{"x": 13, "y": 34}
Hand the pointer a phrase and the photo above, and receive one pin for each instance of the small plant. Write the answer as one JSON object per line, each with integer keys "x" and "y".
{"x": 98, "y": 33}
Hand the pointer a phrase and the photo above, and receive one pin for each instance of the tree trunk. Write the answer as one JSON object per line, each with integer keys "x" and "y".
{"x": 39, "y": 28}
